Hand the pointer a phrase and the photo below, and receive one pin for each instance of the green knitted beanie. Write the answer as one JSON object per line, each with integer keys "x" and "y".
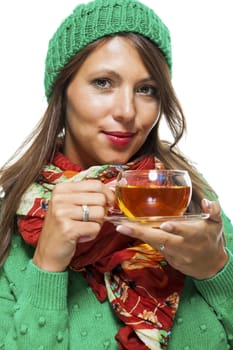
{"x": 96, "y": 19}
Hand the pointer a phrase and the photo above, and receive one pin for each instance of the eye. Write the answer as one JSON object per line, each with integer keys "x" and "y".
{"x": 148, "y": 90}
{"x": 102, "y": 83}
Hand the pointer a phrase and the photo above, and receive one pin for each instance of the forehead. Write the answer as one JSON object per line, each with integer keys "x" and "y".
{"x": 116, "y": 50}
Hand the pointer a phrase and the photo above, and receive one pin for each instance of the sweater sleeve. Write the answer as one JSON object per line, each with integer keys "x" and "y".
{"x": 218, "y": 290}
{"x": 38, "y": 317}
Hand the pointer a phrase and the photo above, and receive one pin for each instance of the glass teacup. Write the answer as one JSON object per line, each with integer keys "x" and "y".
{"x": 150, "y": 193}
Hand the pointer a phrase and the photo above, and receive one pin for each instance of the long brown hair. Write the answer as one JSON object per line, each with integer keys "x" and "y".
{"x": 39, "y": 147}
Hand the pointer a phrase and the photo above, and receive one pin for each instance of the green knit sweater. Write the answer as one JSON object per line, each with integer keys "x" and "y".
{"x": 41, "y": 310}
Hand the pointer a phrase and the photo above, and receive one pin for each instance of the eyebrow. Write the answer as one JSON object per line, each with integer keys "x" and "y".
{"x": 117, "y": 76}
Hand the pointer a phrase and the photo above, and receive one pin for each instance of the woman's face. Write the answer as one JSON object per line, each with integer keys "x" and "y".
{"x": 112, "y": 106}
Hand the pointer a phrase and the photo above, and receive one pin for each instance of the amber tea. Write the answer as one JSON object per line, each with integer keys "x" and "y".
{"x": 153, "y": 193}
{"x": 153, "y": 201}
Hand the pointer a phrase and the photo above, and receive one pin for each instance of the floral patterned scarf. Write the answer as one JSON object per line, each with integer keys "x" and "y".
{"x": 143, "y": 289}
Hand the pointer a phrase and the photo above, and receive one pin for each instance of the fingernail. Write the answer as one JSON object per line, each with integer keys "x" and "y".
{"x": 124, "y": 229}
{"x": 207, "y": 203}
{"x": 166, "y": 226}
{"x": 83, "y": 239}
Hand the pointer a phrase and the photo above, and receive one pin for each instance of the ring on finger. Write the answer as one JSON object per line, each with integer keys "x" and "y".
{"x": 161, "y": 247}
{"x": 86, "y": 212}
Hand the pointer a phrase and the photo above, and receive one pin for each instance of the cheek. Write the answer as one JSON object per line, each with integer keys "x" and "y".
{"x": 87, "y": 108}
{"x": 78, "y": 104}
{"x": 78, "y": 113}
{"x": 151, "y": 118}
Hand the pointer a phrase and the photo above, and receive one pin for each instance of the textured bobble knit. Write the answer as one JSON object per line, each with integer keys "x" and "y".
{"x": 97, "y": 19}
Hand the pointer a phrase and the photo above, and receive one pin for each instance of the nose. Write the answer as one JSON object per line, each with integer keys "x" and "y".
{"x": 124, "y": 108}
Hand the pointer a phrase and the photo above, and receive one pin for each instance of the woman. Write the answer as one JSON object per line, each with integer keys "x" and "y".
{"x": 71, "y": 280}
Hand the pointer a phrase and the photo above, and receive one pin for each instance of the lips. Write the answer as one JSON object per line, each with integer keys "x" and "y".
{"x": 119, "y": 138}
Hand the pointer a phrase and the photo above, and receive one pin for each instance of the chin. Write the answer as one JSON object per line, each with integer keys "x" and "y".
{"x": 116, "y": 160}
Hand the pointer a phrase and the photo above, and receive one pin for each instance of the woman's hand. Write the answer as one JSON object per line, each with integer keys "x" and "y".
{"x": 195, "y": 248}
{"x": 64, "y": 223}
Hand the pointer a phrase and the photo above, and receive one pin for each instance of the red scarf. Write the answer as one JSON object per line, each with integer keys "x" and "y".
{"x": 142, "y": 288}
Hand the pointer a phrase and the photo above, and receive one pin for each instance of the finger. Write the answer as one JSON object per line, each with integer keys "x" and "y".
{"x": 181, "y": 228}
{"x": 90, "y": 229}
{"x": 80, "y": 198}
{"x": 153, "y": 236}
{"x": 76, "y": 212}
{"x": 93, "y": 213}
{"x": 188, "y": 230}
{"x": 87, "y": 231}
{"x": 80, "y": 186}
{"x": 85, "y": 186}
{"x": 112, "y": 185}
{"x": 213, "y": 208}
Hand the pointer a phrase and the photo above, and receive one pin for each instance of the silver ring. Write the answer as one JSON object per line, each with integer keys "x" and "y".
{"x": 161, "y": 247}
{"x": 86, "y": 212}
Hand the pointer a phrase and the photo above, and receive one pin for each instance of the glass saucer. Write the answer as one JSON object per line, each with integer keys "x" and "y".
{"x": 154, "y": 221}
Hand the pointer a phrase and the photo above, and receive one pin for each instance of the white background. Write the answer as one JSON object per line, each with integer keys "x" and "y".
{"x": 202, "y": 41}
